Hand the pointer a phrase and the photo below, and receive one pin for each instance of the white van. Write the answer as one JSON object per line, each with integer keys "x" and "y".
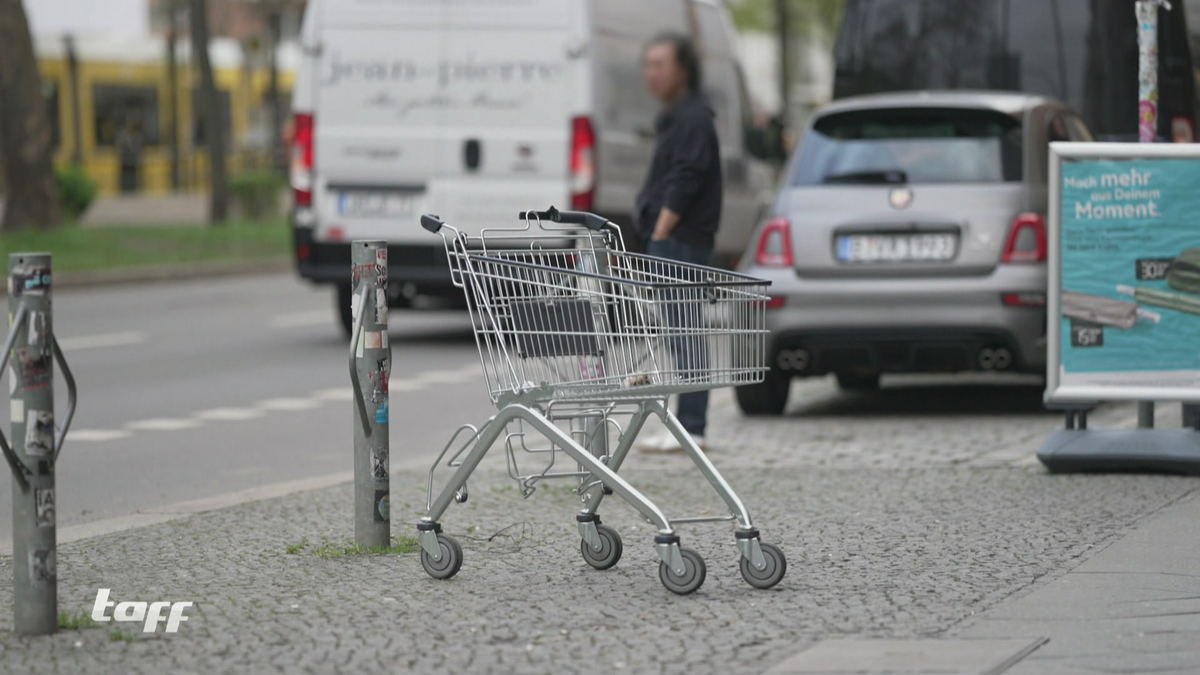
{"x": 478, "y": 109}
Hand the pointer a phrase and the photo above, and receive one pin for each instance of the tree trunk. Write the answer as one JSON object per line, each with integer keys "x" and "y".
{"x": 783, "y": 26}
{"x": 173, "y": 90}
{"x": 278, "y": 158}
{"x": 32, "y": 195}
{"x": 210, "y": 116}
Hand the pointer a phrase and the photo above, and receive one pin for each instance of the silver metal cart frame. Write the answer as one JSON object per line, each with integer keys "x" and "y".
{"x": 573, "y": 330}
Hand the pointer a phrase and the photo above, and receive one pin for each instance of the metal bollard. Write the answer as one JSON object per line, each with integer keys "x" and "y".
{"x": 370, "y": 365}
{"x": 31, "y": 350}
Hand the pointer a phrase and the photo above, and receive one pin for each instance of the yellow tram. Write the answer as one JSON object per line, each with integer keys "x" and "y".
{"x": 115, "y": 116}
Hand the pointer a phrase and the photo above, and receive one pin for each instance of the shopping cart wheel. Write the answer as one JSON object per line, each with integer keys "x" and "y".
{"x": 769, "y": 575}
{"x": 610, "y": 549}
{"x": 692, "y": 577}
{"x": 451, "y": 561}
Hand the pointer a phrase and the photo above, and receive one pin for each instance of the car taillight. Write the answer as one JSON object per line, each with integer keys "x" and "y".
{"x": 583, "y": 164}
{"x": 1026, "y": 240}
{"x": 1023, "y": 299}
{"x": 775, "y": 244}
{"x": 302, "y": 159}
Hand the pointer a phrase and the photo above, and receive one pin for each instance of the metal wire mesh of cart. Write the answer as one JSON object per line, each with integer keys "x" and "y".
{"x": 558, "y": 325}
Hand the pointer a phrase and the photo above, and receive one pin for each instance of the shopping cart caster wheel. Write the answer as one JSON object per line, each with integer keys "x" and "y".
{"x": 693, "y": 575}
{"x": 769, "y": 575}
{"x": 451, "y": 561}
{"x": 610, "y": 549}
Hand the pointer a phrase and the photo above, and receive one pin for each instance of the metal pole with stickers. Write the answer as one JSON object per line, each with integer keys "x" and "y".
{"x": 30, "y": 350}
{"x": 370, "y": 364}
{"x": 1147, "y": 19}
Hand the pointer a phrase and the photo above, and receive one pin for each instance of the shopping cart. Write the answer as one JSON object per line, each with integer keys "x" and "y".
{"x": 575, "y": 334}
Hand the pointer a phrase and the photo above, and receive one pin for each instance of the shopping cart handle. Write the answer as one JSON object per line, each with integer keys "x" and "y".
{"x": 432, "y": 223}
{"x": 589, "y": 220}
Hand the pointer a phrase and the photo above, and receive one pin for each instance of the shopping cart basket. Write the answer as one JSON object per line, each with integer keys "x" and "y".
{"x": 575, "y": 332}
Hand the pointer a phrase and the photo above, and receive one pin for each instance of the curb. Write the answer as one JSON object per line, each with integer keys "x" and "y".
{"x": 177, "y": 272}
{"x": 180, "y": 510}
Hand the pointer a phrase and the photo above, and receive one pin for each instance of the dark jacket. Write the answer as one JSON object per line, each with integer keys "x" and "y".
{"x": 685, "y": 174}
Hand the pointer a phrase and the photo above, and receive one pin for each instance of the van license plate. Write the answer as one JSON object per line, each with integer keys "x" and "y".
{"x": 378, "y": 204}
{"x": 888, "y": 248}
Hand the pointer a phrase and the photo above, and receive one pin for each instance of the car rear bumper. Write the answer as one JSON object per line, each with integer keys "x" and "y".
{"x": 908, "y": 325}
{"x": 423, "y": 266}
{"x": 911, "y": 350}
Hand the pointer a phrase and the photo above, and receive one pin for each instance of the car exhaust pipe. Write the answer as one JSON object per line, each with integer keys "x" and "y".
{"x": 987, "y": 359}
{"x": 793, "y": 359}
{"x": 1002, "y": 359}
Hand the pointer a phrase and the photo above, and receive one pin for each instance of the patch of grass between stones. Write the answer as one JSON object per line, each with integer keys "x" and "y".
{"x": 336, "y": 550}
{"x": 76, "y": 620}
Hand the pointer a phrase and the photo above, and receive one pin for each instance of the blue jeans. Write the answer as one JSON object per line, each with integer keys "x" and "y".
{"x": 692, "y": 409}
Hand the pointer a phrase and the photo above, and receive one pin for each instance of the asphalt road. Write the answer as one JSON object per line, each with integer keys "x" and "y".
{"x": 190, "y": 390}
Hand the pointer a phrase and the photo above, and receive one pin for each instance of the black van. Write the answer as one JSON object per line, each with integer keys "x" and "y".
{"x": 1083, "y": 52}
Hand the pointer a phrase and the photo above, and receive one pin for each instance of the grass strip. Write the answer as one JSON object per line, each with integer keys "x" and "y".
{"x": 97, "y": 248}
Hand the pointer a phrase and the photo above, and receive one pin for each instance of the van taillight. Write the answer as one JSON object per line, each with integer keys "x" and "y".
{"x": 583, "y": 164}
{"x": 1026, "y": 240}
{"x": 302, "y": 159}
{"x": 775, "y": 244}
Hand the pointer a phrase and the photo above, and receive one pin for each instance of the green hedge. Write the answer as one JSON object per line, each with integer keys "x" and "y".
{"x": 256, "y": 193}
{"x": 76, "y": 190}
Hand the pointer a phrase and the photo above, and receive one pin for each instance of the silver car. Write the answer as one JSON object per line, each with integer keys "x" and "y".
{"x": 909, "y": 236}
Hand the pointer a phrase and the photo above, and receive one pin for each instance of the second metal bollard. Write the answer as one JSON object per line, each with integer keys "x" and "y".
{"x": 370, "y": 365}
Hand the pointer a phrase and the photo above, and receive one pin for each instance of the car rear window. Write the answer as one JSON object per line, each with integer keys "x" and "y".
{"x": 917, "y": 145}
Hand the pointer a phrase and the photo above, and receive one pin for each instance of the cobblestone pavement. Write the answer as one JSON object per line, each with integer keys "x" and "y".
{"x": 903, "y": 513}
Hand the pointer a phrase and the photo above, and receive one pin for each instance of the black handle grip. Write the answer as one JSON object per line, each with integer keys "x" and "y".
{"x": 432, "y": 223}
{"x": 589, "y": 220}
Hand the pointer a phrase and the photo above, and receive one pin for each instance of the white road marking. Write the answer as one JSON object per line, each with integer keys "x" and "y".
{"x": 163, "y": 424}
{"x": 288, "y": 404}
{"x": 229, "y": 414}
{"x": 301, "y": 319}
{"x": 317, "y": 400}
{"x": 448, "y": 376}
{"x": 132, "y": 337}
{"x": 96, "y": 435}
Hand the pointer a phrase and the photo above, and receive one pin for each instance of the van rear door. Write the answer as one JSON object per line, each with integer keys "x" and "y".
{"x": 462, "y": 110}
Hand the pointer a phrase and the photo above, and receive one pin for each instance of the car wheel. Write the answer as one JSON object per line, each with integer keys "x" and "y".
{"x": 852, "y": 382}
{"x": 768, "y": 397}
{"x": 345, "y": 315}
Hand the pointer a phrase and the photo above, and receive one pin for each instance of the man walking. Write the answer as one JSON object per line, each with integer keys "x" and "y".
{"x": 679, "y": 206}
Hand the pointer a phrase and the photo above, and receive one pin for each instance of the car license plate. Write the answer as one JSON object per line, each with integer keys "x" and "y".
{"x": 378, "y": 203}
{"x": 890, "y": 248}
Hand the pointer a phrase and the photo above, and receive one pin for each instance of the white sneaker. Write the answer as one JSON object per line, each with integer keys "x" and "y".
{"x": 666, "y": 443}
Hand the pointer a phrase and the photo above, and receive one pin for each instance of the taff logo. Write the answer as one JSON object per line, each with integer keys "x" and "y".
{"x": 900, "y": 198}
{"x": 137, "y": 611}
